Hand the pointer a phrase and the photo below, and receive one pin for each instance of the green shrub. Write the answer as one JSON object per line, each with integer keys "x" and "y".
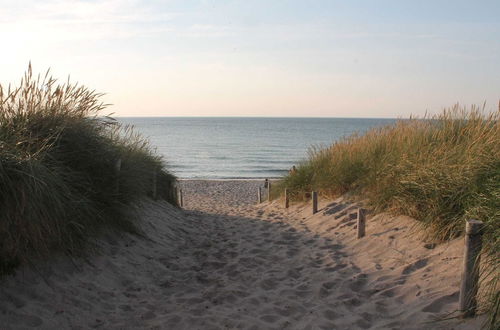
{"x": 440, "y": 170}
{"x": 57, "y": 170}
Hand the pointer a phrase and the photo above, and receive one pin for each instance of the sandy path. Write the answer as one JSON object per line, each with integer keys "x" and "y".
{"x": 225, "y": 263}
{"x": 259, "y": 272}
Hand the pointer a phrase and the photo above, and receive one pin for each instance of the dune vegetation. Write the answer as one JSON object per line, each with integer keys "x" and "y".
{"x": 440, "y": 170}
{"x": 59, "y": 183}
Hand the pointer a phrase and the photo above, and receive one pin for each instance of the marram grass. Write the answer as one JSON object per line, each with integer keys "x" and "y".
{"x": 441, "y": 170}
{"x": 57, "y": 177}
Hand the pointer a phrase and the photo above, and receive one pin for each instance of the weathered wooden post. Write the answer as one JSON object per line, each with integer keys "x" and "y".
{"x": 470, "y": 273}
{"x": 118, "y": 167}
{"x": 259, "y": 196}
{"x": 181, "y": 199}
{"x": 287, "y": 198}
{"x": 361, "y": 222}
{"x": 269, "y": 191}
{"x": 314, "y": 202}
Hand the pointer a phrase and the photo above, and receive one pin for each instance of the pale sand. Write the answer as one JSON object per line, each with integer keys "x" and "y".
{"x": 226, "y": 263}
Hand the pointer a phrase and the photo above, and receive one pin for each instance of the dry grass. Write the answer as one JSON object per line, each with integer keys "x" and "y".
{"x": 57, "y": 174}
{"x": 440, "y": 170}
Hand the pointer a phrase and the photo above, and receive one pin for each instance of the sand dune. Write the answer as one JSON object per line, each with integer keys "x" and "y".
{"x": 226, "y": 263}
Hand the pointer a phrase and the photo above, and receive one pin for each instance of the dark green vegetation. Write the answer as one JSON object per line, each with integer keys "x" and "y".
{"x": 440, "y": 170}
{"x": 58, "y": 183}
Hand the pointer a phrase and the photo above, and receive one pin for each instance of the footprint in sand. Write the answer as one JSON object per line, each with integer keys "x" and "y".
{"x": 28, "y": 320}
{"x": 330, "y": 315}
{"x": 329, "y": 285}
{"x": 359, "y": 283}
{"x": 148, "y": 315}
{"x": 213, "y": 265}
{"x": 269, "y": 284}
{"x": 415, "y": 266}
{"x": 126, "y": 308}
{"x": 270, "y": 318}
{"x": 323, "y": 293}
{"x": 331, "y": 247}
{"x": 294, "y": 273}
{"x": 176, "y": 319}
{"x": 292, "y": 252}
{"x": 363, "y": 324}
{"x": 303, "y": 291}
{"x": 335, "y": 268}
{"x": 232, "y": 254}
{"x": 349, "y": 300}
{"x": 16, "y": 301}
{"x": 437, "y": 305}
{"x": 391, "y": 292}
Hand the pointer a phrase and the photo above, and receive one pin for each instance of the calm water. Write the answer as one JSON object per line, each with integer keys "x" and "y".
{"x": 227, "y": 148}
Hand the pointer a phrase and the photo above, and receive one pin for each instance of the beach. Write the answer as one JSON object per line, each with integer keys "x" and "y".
{"x": 225, "y": 262}
{"x": 250, "y": 165}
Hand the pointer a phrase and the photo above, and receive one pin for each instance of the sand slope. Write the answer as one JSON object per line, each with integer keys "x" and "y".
{"x": 225, "y": 263}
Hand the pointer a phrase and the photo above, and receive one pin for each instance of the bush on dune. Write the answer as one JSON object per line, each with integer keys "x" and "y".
{"x": 440, "y": 170}
{"x": 57, "y": 170}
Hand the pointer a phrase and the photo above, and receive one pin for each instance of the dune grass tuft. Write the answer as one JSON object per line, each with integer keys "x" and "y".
{"x": 57, "y": 169}
{"x": 441, "y": 170}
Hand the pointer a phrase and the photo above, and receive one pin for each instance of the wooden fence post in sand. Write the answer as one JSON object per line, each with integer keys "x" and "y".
{"x": 361, "y": 222}
{"x": 269, "y": 191}
{"x": 287, "y": 198}
{"x": 470, "y": 273}
{"x": 179, "y": 197}
{"x": 314, "y": 201}
{"x": 259, "y": 196}
{"x": 118, "y": 167}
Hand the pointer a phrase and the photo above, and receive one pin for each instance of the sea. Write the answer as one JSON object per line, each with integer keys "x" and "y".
{"x": 242, "y": 148}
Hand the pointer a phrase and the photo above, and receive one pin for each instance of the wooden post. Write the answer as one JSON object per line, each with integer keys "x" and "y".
{"x": 470, "y": 273}
{"x": 314, "y": 202}
{"x": 287, "y": 199}
{"x": 181, "y": 199}
{"x": 259, "y": 196}
{"x": 269, "y": 191}
{"x": 118, "y": 167}
{"x": 153, "y": 188}
{"x": 361, "y": 222}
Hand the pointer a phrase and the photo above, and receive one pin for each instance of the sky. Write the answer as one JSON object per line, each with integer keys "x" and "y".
{"x": 324, "y": 58}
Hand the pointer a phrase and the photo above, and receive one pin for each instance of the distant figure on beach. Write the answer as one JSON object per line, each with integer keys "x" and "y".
{"x": 293, "y": 170}
{"x": 266, "y": 183}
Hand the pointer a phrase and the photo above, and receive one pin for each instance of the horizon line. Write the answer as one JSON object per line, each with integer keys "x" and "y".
{"x": 263, "y": 117}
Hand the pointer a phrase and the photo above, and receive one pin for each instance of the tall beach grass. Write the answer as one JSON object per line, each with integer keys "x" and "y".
{"x": 57, "y": 170}
{"x": 441, "y": 170}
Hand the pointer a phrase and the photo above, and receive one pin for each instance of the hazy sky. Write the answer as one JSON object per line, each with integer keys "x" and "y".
{"x": 262, "y": 58}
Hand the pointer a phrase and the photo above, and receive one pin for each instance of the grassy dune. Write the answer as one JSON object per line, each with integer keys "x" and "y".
{"x": 440, "y": 170}
{"x": 57, "y": 177}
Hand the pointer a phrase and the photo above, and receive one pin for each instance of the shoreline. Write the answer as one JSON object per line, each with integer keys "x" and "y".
{"x": 230, "y": 179}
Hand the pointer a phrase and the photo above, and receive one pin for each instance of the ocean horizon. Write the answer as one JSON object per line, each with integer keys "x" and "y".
{"x": 224, "y": 148}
